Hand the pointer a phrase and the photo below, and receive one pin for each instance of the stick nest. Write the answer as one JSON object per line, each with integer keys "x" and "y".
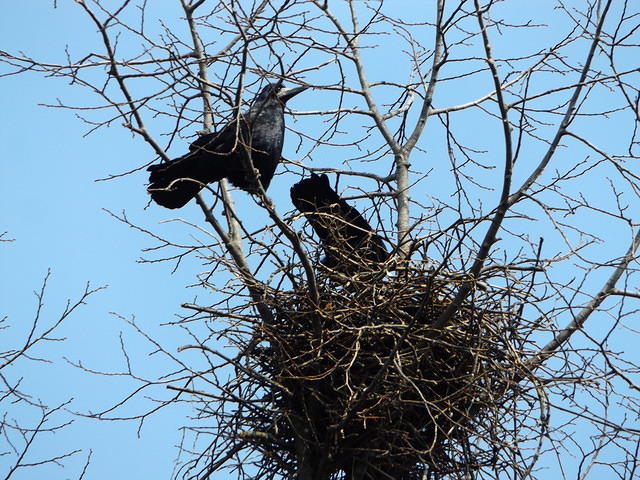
{"x": 363, "y": 386}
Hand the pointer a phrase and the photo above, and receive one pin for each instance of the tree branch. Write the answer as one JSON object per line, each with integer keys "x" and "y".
{"x": 580, "y": 319}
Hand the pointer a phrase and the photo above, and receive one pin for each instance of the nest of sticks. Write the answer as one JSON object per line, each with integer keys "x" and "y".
{"x": 363, "y": 386}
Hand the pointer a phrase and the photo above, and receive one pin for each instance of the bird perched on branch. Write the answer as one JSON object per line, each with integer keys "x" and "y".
{"x": 257, "y": 135}
{"x": 347, "y": 238}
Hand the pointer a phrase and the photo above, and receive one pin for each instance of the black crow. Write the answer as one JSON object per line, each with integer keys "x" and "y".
{"x": 347, "y": 238}
{"x": 223, "y": 154}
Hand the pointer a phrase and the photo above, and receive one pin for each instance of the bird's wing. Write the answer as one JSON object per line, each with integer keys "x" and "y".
{"x": 204, "y": 141}
{"x": 223, "y": 141}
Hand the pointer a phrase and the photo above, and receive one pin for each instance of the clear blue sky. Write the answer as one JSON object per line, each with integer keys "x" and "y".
{"x": 54, "y": 210}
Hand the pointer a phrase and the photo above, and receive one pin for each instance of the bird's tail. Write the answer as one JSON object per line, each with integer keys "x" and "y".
{"x": 174, "y": 183}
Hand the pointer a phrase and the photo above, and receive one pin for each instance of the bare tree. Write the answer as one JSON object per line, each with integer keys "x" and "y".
{"x": 28, "y": 419}
{"x": 493, "y": 146}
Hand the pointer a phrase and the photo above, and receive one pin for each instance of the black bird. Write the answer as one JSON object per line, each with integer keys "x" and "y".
{"x": 219, "y": 155}
{"x": 347, "y": 238}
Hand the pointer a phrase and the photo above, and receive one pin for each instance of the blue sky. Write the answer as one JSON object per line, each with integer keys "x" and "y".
{"x": 54, "y": 210}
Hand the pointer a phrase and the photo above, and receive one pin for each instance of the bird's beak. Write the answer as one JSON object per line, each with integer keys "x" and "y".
{"x": 285, "y": 94}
